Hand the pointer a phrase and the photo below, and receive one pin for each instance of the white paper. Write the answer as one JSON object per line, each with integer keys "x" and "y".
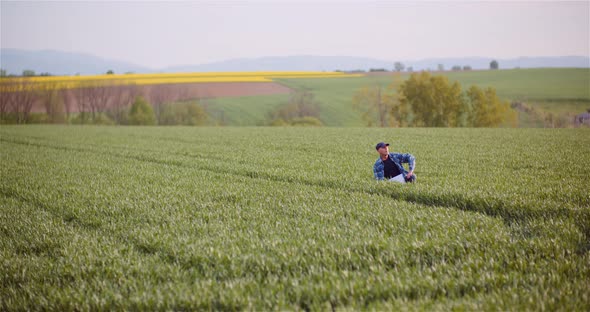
{"x": 398, "y": 178}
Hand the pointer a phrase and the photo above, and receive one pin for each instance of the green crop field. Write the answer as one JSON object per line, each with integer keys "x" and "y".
{"x": 182, "y": 218}
{"x": 244, "y": 111}
{"x": 555, "y": 90}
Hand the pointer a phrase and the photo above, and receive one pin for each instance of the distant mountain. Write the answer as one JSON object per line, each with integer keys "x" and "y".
{"x": 284, "y": 63}
{"x": 66, "y": 63}
{"x": 331, "y": 63}
{"x": 62, "y": 63}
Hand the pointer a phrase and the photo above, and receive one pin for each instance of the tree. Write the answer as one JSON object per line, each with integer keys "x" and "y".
{"x": 52, "y": 99}
{"x": 56, "y": 107}
{"x": 158, "y": 95}
{"x": 456, "y": 68}
{"x": 301, "y": 104}
{"x": 441, "y": 67}
{"x": 466, "y": 67}
{"x": 28, "y": 73}
{"x": 486, "y": 109}
{"x": 375, "y": 105}
{"x": 93, "y": 97}
{"x": 102, "y": 98}
{"x": 18, "y": 97}
{"x": 304, "y": 104}
{"x": 5, "y": 98}
{"x": 68, "y": 99}
{"x": 410, "y": 69}
{"x": 399, "y": 66}
{"x": 141, "y": 113}
{"x": 110, "y": 72}
{"x": 494, "y": 64}
{"x": 2, "y": 72}
{"x": 82, "y": 97}
{"x": 195, "y": 115}
{"x": 433, "y": 101}
{"x": 188, "y": 114}
{"x": 122, "y": 97}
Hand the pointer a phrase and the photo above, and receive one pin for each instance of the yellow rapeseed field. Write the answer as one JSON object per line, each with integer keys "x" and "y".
{"x": 70, "y": 82}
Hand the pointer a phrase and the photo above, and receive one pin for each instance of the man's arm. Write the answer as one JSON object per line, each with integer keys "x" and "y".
{"x": 410, "y": 160}
{"x": 378, "y": 171}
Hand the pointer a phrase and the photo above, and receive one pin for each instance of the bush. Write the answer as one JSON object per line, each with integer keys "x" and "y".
{"x": 187, "y": 114}
{"x": 85, "y": 118}
{"x": 141, "y": 113}
{"x": 306, "y": 121}
{"x": 11, "y": 118}
{"x": 435, "y": 102}
{"x": 8, "y": 118}
{"x": 301, "y": 110}
{"x": 56, "y": 112}
{"x": 486, "y": 109}
{"x": 119, "y": 115}
{"x": 279, "y": 123}
{"x": 102, "y": 119}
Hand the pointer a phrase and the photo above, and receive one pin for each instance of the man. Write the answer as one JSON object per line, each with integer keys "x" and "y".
{"x": 389, "y": 165}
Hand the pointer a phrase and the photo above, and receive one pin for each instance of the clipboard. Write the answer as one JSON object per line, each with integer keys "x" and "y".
{"x": 398, "y": 178}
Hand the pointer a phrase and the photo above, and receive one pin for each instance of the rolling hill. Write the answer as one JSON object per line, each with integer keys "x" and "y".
{"x": 14, "y": 61}
{"x": 555, "y": 90}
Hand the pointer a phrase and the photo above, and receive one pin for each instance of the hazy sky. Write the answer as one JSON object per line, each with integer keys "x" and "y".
{"x": 159, "y": 34}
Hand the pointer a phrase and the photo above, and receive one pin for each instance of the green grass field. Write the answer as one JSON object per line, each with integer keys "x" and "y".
{"x": 553, "y": 90}
{"x": 182, "y": 218}
{"x": 244, "y": 111}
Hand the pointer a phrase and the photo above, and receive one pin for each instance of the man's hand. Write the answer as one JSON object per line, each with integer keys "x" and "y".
{"x": 409, "y": 174}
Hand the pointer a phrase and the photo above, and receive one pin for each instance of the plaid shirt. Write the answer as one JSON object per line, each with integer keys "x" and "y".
{"x": 398, "y": 159}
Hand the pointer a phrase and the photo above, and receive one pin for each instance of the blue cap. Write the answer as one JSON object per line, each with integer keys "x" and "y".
{"x": 381, "y": 144}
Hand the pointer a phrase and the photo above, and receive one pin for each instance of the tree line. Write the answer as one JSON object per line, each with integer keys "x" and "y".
{"x": 96, "y": 102}
{"x": 425, "y": 100}
{"x": 400, "y": 67}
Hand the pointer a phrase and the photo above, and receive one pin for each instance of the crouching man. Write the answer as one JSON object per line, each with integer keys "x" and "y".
{"x": 389, "y": 165}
